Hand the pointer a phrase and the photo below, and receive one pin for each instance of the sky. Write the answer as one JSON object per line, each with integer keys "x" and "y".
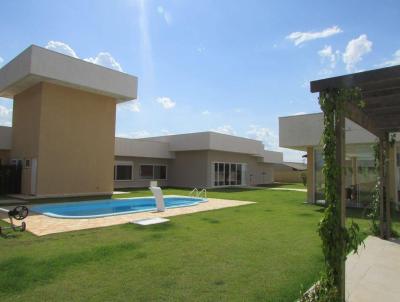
{"x": 228, "y": 66}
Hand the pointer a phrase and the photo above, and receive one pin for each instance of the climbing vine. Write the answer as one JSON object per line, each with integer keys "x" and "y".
{"x": 337, "y": 241}
{"x": 375, "y": 202}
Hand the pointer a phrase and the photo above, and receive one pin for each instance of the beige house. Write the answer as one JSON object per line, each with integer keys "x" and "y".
{"x": 201, "y": 160}
{"x": 303, "y": 132}
{"x": 63, "y": 122}
{"x": 63, "y": 135}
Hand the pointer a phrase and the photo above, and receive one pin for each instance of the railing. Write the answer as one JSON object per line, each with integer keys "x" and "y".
{"x": 204, "y": 191}
{"x": 196, "y": 193}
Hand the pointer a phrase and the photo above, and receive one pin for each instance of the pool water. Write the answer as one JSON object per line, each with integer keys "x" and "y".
{"x": 110, "y": 207}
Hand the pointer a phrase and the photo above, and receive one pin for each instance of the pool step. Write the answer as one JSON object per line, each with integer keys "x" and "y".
{"x": 150, "y": 221}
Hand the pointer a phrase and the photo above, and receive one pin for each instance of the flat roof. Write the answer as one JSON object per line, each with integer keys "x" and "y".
{"x": 37, "y": 64}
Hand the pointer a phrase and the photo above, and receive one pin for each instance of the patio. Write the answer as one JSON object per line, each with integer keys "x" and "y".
{"x": 374, "y": 273}
{"x": 41, "y": 225}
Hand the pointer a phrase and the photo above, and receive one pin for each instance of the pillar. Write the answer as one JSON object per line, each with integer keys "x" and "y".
{"x": 310, "y": 175}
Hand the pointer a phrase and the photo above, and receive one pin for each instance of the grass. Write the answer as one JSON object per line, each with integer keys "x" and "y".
{"x": 285, "y": 185}
{"x": 260, "y": 252}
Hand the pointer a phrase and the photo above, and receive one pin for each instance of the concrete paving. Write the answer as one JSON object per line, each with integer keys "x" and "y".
{"x": 373, "y": 274}
{"x": 43, "y": 225}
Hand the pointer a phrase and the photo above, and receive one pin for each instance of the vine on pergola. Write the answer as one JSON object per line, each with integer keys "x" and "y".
{"x": 337, "y": 240}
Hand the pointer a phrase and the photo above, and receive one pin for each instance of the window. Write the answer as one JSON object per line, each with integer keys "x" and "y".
{"x": 228, "y": 174}
{"x": 123, "y": 171}
{"x": 27, "y": 163}
{"x": 160, "y": 172}
{"x": 153, "y": 172}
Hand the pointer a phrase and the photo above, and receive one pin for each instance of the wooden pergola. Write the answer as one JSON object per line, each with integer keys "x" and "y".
{"x": 380, "y": 115}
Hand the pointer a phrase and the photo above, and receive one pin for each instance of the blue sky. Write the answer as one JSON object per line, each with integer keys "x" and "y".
{"x": 228, "y": 66}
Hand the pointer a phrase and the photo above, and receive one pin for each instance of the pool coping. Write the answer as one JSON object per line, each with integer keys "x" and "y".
{"x": 41, "y": 225}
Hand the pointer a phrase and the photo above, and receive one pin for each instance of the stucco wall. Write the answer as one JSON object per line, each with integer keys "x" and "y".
{"x": 26, "y": 129}
{"x": 255, "y": 168}
{"x": 71, "y": 133}
{"x": 189, "y": 169}
{"x": 76, "y": 143}
{"x": 137, "y": 182}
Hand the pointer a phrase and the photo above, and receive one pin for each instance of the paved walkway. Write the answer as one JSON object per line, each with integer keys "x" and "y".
{"x": 43, "y": 225}
{"x": 374, "y": 274}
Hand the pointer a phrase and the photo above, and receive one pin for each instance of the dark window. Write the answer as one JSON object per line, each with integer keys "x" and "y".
{"x": 123, "y": 172}
{"x": 215, "y": 174}
{"x": 239, "y": 174}
{"x": 146, "y": 171}
{"x": 160, "y": 172}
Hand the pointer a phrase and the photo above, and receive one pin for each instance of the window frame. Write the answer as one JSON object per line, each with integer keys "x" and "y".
{"x": 215, "y": 174}
{"x": 153, "y": 176}
{"x": 123, "y": 163}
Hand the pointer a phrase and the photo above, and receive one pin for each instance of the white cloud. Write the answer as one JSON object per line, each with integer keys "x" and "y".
{"x": 1, "y": 60}
{"x": 166, "y": 102}
{"x": 327, "y": 53}
{"x": 105, "y": 59}
{"x": 135, "y": 134}
{"x": 238, "y": 110}
{"x": 355, "y": 50}
{"x": 300, "y": 37}
{"x": 394, "y": 61}
{"x": 200, "y": 49}
{"x": 299, "y": 113}
{"x": 61, "y": 47}
{"x": 205, "y": 112}
{"x": 263, "y": 134}
{"x": 5, "y": 116}
{"x": 165, "y": 14}
{"x": 225, "y": 129}
{"x": 166, "y": 132}
{"x": 133, "y": 106}
{"x": 329, "y": 56}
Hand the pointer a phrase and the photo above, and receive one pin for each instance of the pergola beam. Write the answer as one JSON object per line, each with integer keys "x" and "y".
{"x": 373, "y": 80}
{"x": 361, "y": 118}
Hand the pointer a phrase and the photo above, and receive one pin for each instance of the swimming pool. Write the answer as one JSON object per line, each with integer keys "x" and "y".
{"x": 110, "y": 207}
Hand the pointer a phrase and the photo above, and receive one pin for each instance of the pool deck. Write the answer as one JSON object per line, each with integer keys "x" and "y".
{"x": 41, "y": 225}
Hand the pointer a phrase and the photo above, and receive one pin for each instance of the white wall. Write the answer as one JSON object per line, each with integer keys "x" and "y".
{"x": 141, "y": 148}
{"x": 300, "y": 131}
{"x": 5, "y": 138}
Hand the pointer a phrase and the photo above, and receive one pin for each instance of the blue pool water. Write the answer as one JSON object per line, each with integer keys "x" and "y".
{"x": 109, "y": 207}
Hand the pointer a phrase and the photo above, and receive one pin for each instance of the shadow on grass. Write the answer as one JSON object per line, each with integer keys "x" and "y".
{"x": 211, "y": 220}
{"x": 22, "y": 273}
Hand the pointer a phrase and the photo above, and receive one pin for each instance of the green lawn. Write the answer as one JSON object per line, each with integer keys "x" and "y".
{"x": 259, "y": 252}
{"x": 285, "y": 185}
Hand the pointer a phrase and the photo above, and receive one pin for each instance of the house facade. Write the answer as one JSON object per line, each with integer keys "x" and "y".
{"x": 304, "y": 133}
{"x": 202, "y": 160}
{"x": 63, "y": 135}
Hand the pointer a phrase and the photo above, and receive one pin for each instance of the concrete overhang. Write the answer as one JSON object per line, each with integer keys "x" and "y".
{"x": 36, "y": 64}
{"x": 300, "y": 131}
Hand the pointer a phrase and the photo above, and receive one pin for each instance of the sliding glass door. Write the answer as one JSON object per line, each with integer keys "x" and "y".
{"x": 228, "y": 174}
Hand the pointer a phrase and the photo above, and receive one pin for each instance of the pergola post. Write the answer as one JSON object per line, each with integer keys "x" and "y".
{"x": 385, "y": 184}
{"x": 381, "y": 187}
{"x": 340, "y": 183}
